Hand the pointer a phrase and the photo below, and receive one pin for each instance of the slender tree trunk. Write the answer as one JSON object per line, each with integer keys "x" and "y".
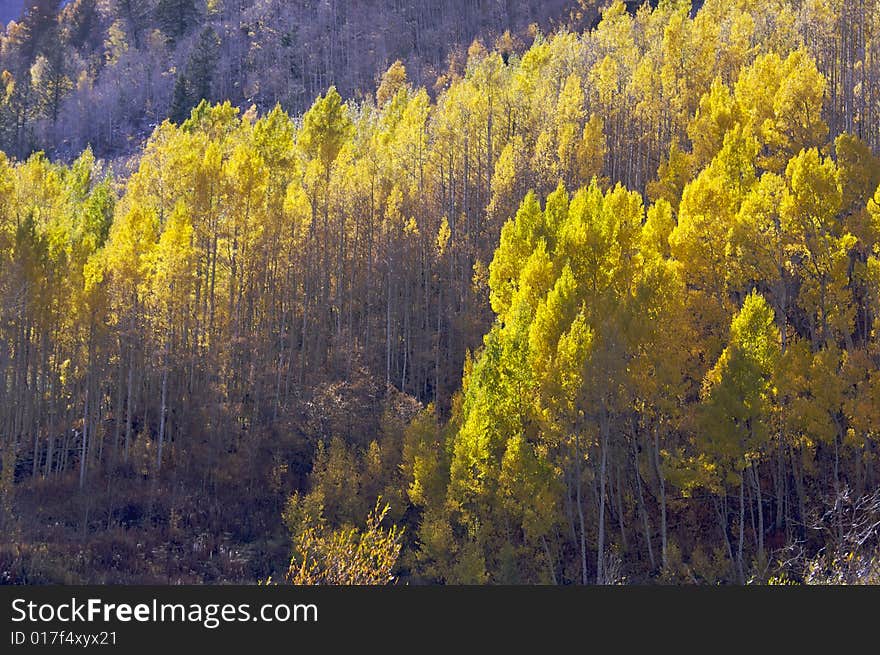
{"x": 662, "y": 485}
{"x": 620, "y": 517}
{"x": 117, "y": 410}
{"x": 760, "y": 502}
{"x": 721, "y": 511}
{"x": 580, "y": 507}
{"x": 85, "y": 438}
{"x": 642, "y": 510}
{"x": 130, "y": 388}
{"x": 837, "y": 494}
{"x": 162, "y": 417}
{"x": 603, "y": 458}
{"x": 550, "y": 563}
{"x": 742, "y": 520}
{"x": 36, "y": 453}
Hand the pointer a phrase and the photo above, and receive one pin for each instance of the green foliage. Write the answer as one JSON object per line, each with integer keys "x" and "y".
{"x": 326, "y": 128}
{"x": 737, "y": 393}
{"x": 193, "y": 84}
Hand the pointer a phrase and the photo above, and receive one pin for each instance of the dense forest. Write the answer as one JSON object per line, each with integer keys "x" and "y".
{"x": 597, "y": 307}
{"x": 104, "y": 73}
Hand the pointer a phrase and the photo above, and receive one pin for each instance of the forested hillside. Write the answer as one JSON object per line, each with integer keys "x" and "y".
{"x": 597, "y": 309}
{"x": 106, "y": 72}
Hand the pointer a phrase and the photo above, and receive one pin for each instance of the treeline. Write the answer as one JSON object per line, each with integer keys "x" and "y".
{"x": 106, "y": 72}
{"x": 664, "y": 227}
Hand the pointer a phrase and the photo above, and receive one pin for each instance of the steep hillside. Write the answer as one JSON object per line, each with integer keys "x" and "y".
{"x": 601, "y": 307}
